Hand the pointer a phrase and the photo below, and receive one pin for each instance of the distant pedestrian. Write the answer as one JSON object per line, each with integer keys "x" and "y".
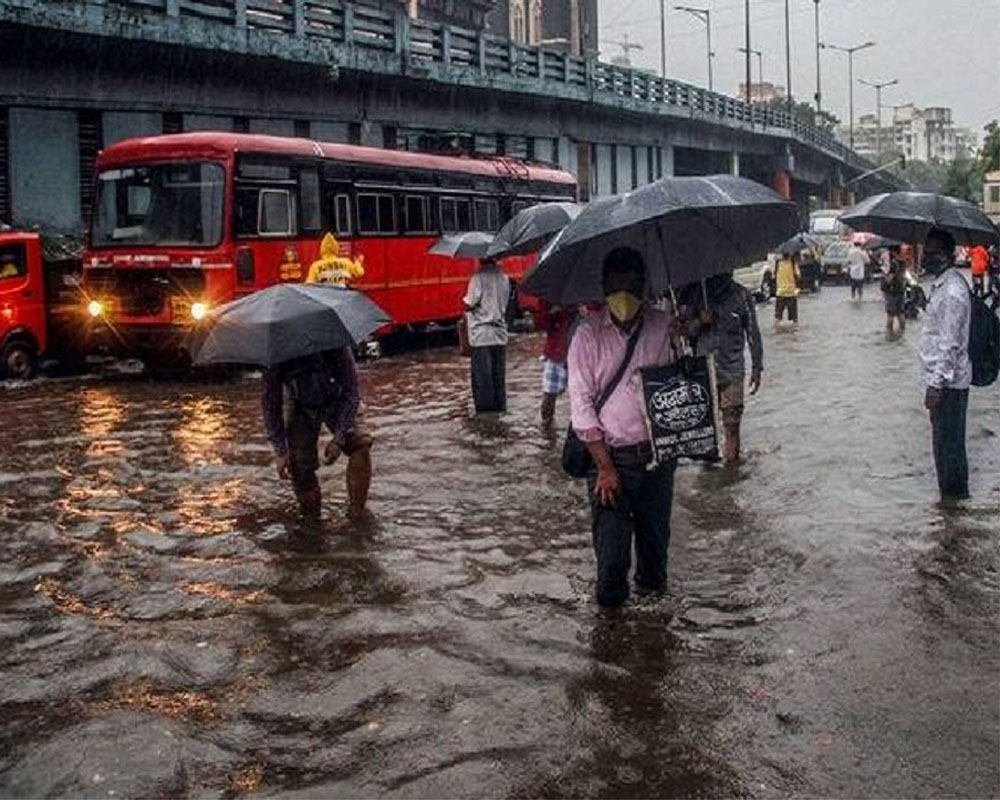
{"x": 979, "y": 260}
{"x": 894, "y": 291}
{"x": 857, "y": 268}
{"x": 627, "y": 498}
{"x": 726, "y": 328}
{"x": 557, "y": 322}
{"x": 298, "y": 398}
{"x": 787, "y": 279}
{"x": 486, "y": 300}
{"x": 947, "y": 370}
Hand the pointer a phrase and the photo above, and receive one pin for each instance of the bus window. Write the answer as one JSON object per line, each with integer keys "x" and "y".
{"x": 418, "y": 214}
{"x": 275, "y": 214}
{"x": 455, "y": 215}
{"x": 487, "y": 216}
{"x": 376, "y": 213}
{"x": 342, "y": 205}
{"x": 311, "y": 218}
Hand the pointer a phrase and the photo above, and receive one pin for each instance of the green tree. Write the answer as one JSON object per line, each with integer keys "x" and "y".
{"x": 924, "y": 177}
{"x": 964, "y": 180}
{"x": 989, "y": 153}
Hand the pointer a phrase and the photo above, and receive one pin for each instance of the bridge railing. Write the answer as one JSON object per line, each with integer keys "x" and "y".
{"x": 424, "y": 44}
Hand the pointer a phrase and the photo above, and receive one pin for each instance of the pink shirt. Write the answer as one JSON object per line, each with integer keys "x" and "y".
{"x": 596, "y": 352}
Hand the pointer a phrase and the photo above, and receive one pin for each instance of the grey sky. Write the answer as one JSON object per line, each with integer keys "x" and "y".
{"x": 944, "y": 52}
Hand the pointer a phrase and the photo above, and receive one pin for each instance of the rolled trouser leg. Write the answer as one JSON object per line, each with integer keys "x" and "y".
{"x": 303, "y": 459}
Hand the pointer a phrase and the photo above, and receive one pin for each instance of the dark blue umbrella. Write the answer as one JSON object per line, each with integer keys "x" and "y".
{"x": 686, "y": 229}
{"x": 795, "y": 245}
{"x": 909, "y": 216}
{"x": 284, "y": 322}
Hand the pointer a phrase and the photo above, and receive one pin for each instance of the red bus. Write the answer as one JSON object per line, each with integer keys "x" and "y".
{"x": 185, "y": 222}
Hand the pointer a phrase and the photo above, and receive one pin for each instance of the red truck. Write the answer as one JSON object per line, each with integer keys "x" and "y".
{"x": 40, "y": 305}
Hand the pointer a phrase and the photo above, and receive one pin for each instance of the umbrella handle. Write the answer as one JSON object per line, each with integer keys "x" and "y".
{"x": 680, "y": 344}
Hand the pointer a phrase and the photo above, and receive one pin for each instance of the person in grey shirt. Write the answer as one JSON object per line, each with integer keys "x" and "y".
{"x": 486, "y": 302}
{"x": 726, "y": 327}
{"x": 946, "y": 371}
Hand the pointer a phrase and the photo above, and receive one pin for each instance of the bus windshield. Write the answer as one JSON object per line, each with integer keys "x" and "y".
{"x": 176, "y": 204}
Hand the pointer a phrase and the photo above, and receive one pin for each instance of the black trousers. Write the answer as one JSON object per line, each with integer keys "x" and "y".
{"x": 643, "y": 512}
{"x": 948, "y": 437}
{"x": 489, "y": 378}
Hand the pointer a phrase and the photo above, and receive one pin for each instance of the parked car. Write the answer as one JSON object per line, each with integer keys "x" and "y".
{"x": 40, "y": 305}
{"x": 833, "y": 262}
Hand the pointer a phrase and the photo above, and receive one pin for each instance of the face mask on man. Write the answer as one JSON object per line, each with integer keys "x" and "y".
{"x": 623, "y": 306}
{"x": 934, "y": 263}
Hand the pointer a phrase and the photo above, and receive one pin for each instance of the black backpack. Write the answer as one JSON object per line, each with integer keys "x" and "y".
{"x": 984, "y": 342}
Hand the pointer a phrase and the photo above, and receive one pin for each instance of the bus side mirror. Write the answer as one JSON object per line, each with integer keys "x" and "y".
{"x": 244, "y": 266}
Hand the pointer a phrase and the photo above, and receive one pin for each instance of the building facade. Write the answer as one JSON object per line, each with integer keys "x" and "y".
{"x": 558, "y": 24}
{"x": 463, "y": 13}
{"x": 919, "y": 134}
{"x": 765, "y": 92}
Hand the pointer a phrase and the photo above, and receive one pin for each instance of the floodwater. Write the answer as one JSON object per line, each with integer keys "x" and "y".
{"x": 168, "y": 628}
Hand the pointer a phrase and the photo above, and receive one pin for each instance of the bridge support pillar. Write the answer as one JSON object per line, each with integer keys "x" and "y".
{"x": 734, "y": 163}
{"x": 782, "y": 183}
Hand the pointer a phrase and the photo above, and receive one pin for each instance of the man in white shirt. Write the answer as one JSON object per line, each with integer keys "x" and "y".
{"x": 857, "y": 264}
{"x": 946, "y": 369}
{"x": 486, "y": 314}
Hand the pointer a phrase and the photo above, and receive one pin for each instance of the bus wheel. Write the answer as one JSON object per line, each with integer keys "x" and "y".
{"x": 19, "y": 360}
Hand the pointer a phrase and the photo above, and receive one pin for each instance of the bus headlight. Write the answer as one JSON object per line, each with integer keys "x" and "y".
{"x": 198, "y": 311}
{"x": 95, "y": 308}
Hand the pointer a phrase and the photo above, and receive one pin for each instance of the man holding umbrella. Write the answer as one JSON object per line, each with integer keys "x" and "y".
{"x": 626, "y": 497}
{"x": 298, "y": 398}
{"x": 947, "y": 370}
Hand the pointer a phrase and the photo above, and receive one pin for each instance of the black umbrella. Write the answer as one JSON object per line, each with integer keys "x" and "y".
{"x": 798, "y": 243}
{"x": 285, "y": 322}
{"x": 686, "y": 229}
{"x": 471, "y": 244}
{"x": 531, "y": 228}
{"x": 880, "y": 243}
{"x": 909, "y": 216}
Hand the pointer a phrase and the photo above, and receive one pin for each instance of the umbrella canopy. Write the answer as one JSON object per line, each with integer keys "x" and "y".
{"x": 798, "y": 243}
{"x": 531, "y": 228}
{"x": 909, "y": 216}
{"x": 686, "y": 229}
{"x": 471, "y": 244}
{"x": 283, "y": 322}
{"x": 880, "y": 243}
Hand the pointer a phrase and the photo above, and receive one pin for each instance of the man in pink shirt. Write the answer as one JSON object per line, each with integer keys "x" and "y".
{"x": 626, "y": 498}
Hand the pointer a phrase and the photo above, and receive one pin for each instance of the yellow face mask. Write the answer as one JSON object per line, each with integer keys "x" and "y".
{"x": 623, "y": 306}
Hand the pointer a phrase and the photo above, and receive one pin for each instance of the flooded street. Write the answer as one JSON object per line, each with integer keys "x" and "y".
{"x": 168, "y": 628}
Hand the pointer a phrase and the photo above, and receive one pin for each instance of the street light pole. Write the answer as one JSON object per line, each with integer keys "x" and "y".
{"x": 746, "y": 19}
{"x": 850, "y": 78}
{"x": 788, "y": 59}
{"x": 705, "y": 16}
{"x": 760, "y": 66}
{"x": 819, "y": 88}
{"x": 663, "y": 39}
{"x": 878, "y": 87}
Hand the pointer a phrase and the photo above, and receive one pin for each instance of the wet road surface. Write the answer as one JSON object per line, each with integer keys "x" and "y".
{"x": 167, "y": 627}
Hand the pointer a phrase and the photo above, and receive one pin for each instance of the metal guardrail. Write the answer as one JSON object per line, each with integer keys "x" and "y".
{"x": 356, "y": 30}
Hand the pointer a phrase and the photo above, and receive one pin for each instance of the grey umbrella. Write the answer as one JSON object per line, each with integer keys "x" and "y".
{"x": 686, "y": 229}
{"x": 531, "y": 228}
{"x": 283, "y": 322}
{"x": 909, "y": 216}
{"x": 471, "y": 244}
{"x": 798, "y": 243}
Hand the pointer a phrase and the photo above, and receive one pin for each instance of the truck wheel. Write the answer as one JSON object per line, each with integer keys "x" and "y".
{"x": 19, "y": 360}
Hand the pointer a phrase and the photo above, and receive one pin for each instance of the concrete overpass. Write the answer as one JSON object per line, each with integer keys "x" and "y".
{"x": 78, "y": 75}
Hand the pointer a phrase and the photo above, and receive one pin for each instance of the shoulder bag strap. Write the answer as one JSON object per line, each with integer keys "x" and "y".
{"x": 610, "y": 388}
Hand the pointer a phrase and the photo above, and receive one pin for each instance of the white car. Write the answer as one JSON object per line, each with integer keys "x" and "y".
{"x": 758, "y": 278}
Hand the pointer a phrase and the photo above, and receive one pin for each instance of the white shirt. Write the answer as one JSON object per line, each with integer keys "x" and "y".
{"x": 856, "y": 263}
{"x": 487, "y": 296}
{"x": 944, "y": 343}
